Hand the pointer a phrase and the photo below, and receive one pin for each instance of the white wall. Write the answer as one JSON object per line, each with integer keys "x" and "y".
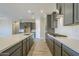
{"x": 5, "y": 27}
{"x": 42, "y": 26}
{"x": 71, "y": 31}
{"x": 38, "y": 28}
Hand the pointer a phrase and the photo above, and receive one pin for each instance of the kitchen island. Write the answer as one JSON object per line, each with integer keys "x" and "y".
{"x": 16, "y": 45}
{"x": 62, "y": 46}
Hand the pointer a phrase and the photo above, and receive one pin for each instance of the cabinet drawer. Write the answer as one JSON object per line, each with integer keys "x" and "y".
{"x": 13, "y": 48}
{"x": 69, "y": 51}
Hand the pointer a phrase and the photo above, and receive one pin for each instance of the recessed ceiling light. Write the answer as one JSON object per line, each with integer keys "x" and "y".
{"x": 42, "y": 11}
{"x": 29, "y": 11}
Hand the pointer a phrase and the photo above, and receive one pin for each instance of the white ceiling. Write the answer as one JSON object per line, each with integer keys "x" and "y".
{"x": 19, "y": 10}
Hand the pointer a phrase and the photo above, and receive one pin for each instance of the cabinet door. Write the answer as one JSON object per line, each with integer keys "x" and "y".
{"x": 24, "y": 47}
{"x": 64, "y": 53}
{"x": 27, "y": 45}
{"x": 18, "y": 52}
{"x": 58, "y": 6}
{"x": 68, "y": 14}
{"x": 76, "y": 12}
{"x": 54, "y": 20}
{"x": 62, "y": 8}
{"x": 48, "y": 22}
{"x": 77, "y": 20}
{"x": 57, "y": 50}
{"x": 69, "y": 51}
{"x": 31, "y": 41}
{"x": 52, "y": 46}
{"x": 12, "y": 49}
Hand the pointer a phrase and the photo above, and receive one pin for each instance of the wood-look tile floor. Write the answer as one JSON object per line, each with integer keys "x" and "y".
{"x": 40, "y": 48}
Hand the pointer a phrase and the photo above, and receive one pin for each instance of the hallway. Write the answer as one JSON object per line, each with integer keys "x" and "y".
{"x": 40, "y": 48}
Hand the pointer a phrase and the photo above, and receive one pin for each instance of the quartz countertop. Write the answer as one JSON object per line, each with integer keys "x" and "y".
{"x": 69, "y": 42}
{"x": 8, "y": 42}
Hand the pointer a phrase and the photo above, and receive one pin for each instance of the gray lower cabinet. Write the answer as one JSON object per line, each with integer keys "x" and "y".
{"x": 50, "y": 44}
{"x": 18, "y": 52}
{"x": 31, "y": 41}
{"x": 24, "y": 47}
{"x": 27, "y": 47}
{"x": 64, "y": 53}
{"x": 20, "y": 49}
{"x": 68, "y": 52}
{"x": 57, "y": 48}
{"x": 15, "y": 50}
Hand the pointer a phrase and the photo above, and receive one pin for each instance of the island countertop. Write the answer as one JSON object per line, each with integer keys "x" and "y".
{"x": 8, "y": 42}
{"x": 69, "y": 42}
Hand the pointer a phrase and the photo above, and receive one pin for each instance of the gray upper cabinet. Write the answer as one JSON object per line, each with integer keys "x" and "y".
{"x": 68, "y": 13}
{"x": 48, "y": 23}
{"x": 66, "y": 9}
{"x": 76, "y": 13}
{"x": 59, "y": 7}
{"x": 62, "y": 8}
{"x": 53, "y": 20}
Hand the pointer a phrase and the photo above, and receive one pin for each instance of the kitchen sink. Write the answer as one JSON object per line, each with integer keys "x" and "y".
{"x": 57, "y": 35}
